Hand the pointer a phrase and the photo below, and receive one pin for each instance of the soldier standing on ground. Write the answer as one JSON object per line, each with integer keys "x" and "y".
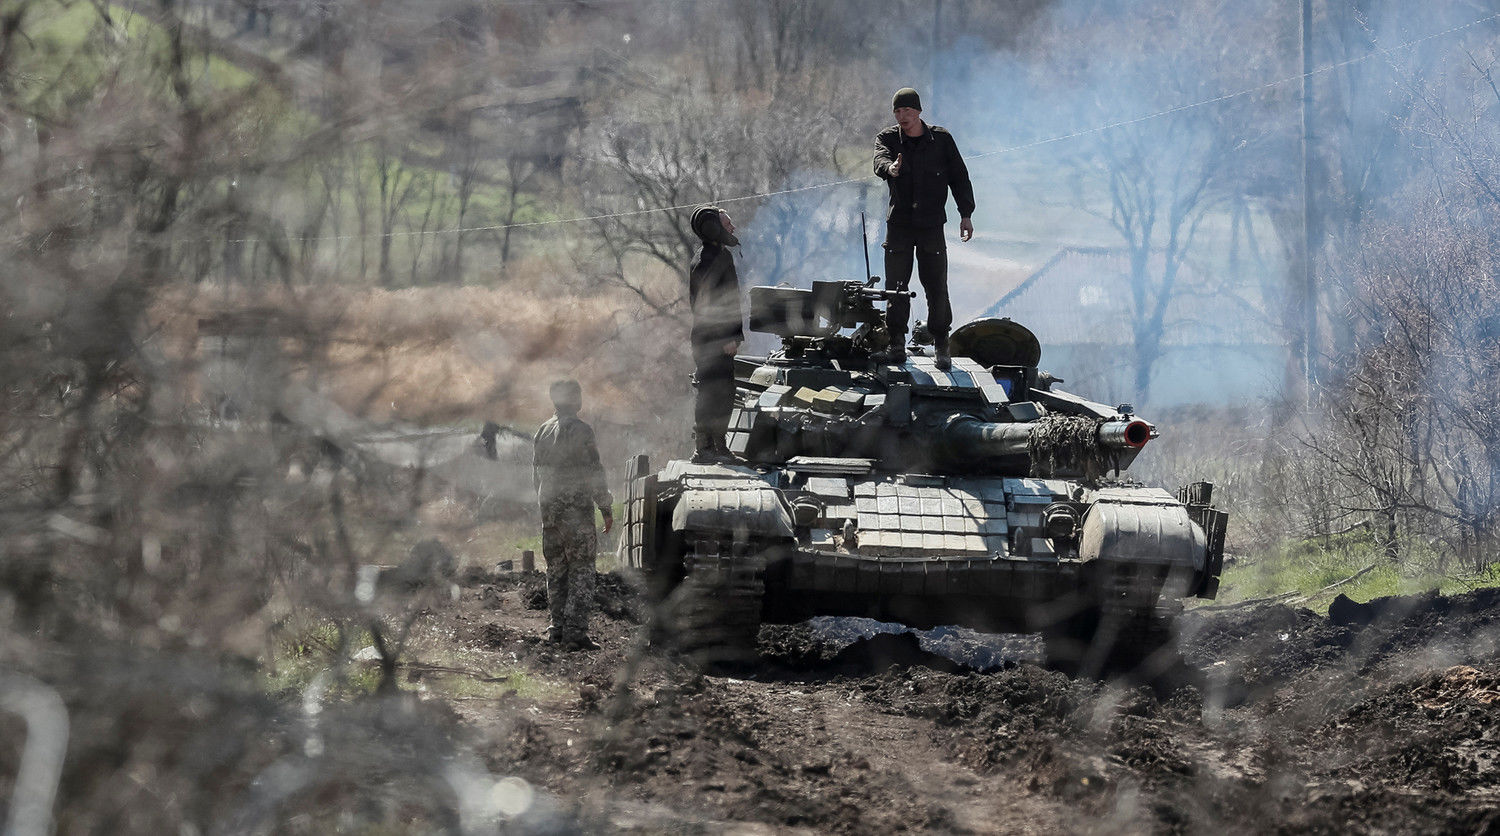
{"x": 570, "y": 484}
{"x": 920, "y": 163}
{"x": 714, "y": 293}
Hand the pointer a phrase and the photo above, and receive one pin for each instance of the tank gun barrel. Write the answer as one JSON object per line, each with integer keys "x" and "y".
{"x": 986, "y": 438}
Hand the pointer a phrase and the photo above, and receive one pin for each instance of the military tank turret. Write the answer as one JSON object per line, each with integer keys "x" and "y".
{"x": 981, "y": 495}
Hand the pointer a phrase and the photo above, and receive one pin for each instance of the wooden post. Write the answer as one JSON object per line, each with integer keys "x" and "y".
{"x": 528, "y": 561}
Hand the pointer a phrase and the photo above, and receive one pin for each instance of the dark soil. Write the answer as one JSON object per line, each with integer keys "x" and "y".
{"x": 1384, "y": 717}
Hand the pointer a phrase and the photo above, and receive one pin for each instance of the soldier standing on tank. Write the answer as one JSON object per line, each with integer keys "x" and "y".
{"x": 714, "y": 293}
{"x": 920, "y": 163}
{"x": 570, "y": 484}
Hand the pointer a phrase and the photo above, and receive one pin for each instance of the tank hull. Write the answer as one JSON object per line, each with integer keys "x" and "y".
{"x": 836, "y": 538}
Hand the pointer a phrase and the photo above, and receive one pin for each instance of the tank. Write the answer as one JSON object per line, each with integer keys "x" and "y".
{"x": 981, "y": 496}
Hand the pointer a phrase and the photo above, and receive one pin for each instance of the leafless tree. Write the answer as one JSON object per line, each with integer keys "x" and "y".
{"x": 1156, "y": 181}
{"x": 707, "y": 148}
{"x": 1410, "y": 437}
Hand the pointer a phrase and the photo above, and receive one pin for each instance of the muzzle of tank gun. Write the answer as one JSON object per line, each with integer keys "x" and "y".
{"x": 1133, "y": 433}
{"x": 985, "y": 438}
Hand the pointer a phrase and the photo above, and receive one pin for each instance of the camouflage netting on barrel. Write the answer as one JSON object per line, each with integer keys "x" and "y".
{"x": 1069, "y": 444}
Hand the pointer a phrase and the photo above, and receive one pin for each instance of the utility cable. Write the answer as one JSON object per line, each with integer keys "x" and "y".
{"x": 1374, "y": 53}
{"x": 1385, "y": 52}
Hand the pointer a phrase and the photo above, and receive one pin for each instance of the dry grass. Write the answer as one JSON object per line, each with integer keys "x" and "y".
{"x": 464, "y": 355}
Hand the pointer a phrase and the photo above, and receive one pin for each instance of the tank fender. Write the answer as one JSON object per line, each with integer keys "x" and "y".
{"x": 751, "y": 509}
{"x": 1143, "y": 532}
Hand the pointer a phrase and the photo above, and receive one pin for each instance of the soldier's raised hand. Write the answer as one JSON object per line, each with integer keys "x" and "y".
{"x": 895, "y": 169}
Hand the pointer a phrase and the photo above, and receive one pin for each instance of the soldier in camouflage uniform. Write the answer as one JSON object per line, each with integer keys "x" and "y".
{"x": 570, "y": 484}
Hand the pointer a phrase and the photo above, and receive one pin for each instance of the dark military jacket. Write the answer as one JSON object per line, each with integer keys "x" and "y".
{"x": 714, "y": 293}
{"x": 930, "y": 167}
{"x": 566, "y": 463}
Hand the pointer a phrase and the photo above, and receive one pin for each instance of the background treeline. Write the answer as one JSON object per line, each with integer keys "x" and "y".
{"x": 165, "y": 161}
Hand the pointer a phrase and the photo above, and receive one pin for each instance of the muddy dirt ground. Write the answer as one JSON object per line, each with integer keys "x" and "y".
{"x": 1382, "y": 717}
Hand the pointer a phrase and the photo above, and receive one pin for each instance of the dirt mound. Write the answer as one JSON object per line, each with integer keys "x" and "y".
{"x": 1464, "y": 625}
{"x": 797, "y": 646}
{"x": 618, "y": 598}
{"x": 1253, "y": 652}
{"x": 1264, "y": 647}
{"x": 889, "y": 650}
{"x": 1419, "y": 754}
{"x": 1010, "y": 718}
{"x": 1436, "y": 733}
{"x": 746, "y": 755}
{"x": 614, "y": 595}
{"x": 815, "y": 645}
{"x": 1359, "y": 722}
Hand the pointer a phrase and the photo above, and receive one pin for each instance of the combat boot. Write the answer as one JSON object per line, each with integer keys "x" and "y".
{"x": 709, "y": 448}
{"x": 940, "y": 356}
{"x": 703, "y": 446}
{"x": 721, "y": 449}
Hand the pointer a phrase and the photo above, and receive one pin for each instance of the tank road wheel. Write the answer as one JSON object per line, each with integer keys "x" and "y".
{"x": 717, "y": 607}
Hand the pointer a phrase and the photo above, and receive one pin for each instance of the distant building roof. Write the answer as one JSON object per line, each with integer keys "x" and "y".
{"x": 1083, "y": 295}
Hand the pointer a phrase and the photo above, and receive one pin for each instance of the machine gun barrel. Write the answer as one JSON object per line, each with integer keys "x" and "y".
{"x": 985, "y": 438}
{"x": 880, "y": 295}
{"x": 818, "y": 312}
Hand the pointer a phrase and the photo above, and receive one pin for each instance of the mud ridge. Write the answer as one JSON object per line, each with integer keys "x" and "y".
{"x": 1384, "y": 716}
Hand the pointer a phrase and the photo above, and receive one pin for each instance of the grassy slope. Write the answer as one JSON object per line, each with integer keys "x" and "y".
{"x": 1309, "y": 567}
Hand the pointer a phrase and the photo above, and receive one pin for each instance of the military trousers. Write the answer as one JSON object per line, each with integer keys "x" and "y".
{"x": 926, "y": 244}
{"x": 569, "y": 545}
{"x": 714, "y": 373}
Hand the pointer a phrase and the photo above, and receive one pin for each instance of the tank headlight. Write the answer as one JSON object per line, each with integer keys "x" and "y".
{"x": 806, "y": 511}
{"x": 1060, "y": 521}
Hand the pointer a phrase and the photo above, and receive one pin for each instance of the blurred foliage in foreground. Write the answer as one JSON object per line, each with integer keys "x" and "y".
{"x": 194, "y": 536}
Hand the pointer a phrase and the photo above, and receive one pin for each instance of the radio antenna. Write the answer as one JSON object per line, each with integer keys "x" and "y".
{"x": 864, "y": 238}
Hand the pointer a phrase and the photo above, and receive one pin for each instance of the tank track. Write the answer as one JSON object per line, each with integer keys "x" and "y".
{"x": 1107, "y": 642}
{"x": 718, "y": 607}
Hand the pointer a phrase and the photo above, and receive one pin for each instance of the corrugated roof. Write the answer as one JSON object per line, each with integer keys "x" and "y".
{"x": 1083, "y": 295}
